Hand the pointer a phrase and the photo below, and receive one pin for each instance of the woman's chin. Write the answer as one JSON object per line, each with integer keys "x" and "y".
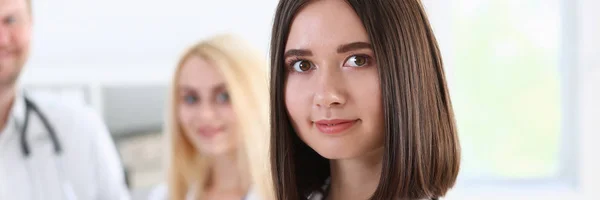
{"x": 333, "y": 153}
{"x": 218, "y": 150}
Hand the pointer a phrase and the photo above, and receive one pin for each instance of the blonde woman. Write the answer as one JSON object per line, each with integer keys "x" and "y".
{"x": 218, "y": 123}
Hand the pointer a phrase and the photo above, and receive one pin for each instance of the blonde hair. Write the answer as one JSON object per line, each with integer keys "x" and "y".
{"x": 244, "y": 71}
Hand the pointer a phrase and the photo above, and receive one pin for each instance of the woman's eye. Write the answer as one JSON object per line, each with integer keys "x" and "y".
{"x": 357, "y": 61}
{"x": 190, "y": 99}
{"x": 10, "y": 20}
{"x": 302, "y": 66}
{"x": 223, "y": 97}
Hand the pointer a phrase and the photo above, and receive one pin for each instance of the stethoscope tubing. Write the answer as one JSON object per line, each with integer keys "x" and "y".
{"x": 65, "y": 187}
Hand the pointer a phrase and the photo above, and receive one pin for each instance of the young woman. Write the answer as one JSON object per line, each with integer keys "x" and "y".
{"x": 359, "y": 103}
{"x": 218, "y": 123}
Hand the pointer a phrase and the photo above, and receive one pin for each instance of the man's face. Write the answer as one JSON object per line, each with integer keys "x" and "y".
{"x": 15, "y": 34}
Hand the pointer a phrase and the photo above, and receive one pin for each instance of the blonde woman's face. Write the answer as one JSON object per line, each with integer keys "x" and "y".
{"x": 204, "y": 108}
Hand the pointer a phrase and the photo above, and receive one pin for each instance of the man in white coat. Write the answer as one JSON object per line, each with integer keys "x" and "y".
{"x": 49, "y": 149}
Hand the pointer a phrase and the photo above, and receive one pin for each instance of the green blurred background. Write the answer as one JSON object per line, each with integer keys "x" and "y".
{"x": 506, "y": 87}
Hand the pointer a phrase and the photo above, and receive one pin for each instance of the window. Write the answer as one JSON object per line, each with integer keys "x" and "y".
{"x": 506, "y": 88}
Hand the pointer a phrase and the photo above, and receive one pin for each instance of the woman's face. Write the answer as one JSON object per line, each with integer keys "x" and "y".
{"x": 205, "y": 112}
{"x": 332, "y": 91}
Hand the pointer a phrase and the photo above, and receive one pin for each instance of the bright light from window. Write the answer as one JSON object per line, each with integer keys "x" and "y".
{"x": 505, "y": 87}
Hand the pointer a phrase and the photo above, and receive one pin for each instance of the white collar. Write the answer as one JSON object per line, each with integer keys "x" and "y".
{"x": 17, "y": 111}
{"x": 18, "y": 108}
{"x": 322, "y": 192}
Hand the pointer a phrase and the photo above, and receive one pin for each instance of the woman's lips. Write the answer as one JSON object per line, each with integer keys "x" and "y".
{"x": 334, "y": 126}
{"x": 209, "y": 132}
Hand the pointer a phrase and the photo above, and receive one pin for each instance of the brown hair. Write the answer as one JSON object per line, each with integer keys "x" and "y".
{"x": 421, "y": 149}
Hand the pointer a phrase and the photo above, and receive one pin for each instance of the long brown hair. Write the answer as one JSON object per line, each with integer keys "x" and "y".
{"x": 421, "y": 156}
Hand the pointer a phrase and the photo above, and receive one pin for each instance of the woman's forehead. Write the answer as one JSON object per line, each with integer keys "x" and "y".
{"x": 325, "y": 24}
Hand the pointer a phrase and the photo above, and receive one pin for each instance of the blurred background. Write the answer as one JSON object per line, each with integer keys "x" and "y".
{"x": 524, "y": 77}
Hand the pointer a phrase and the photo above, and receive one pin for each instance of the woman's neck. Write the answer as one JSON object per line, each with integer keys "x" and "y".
{"x": 225, "y": 174}
{"x": 355, "y": 178}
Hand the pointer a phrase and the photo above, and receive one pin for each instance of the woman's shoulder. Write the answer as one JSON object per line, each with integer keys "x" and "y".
{"x": 252, "y": 194}
{"x": 159, "y": 192}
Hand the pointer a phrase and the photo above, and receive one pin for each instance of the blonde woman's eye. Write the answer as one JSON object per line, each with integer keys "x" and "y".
{"x": 223, "y": 97}
{"x": 190, "y": 99}
{"x": 10, "y": 20}
{"x": 357, "y": 61}
{"x": 302, "y": 66}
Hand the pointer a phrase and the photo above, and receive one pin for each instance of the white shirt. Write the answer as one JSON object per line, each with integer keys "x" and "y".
{"x": 160, "y": 193}
{"x": 89, "y": 168}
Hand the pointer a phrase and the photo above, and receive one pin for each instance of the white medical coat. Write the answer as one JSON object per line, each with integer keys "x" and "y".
{"x": 90, "y": 163}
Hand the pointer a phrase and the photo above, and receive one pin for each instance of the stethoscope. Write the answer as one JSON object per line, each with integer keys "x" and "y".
{"x": 65, "y": 186}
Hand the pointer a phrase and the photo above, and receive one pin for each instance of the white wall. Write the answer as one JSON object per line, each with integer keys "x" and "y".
{"x": 122, "y": 43}
{"x": 128, "y": 41}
